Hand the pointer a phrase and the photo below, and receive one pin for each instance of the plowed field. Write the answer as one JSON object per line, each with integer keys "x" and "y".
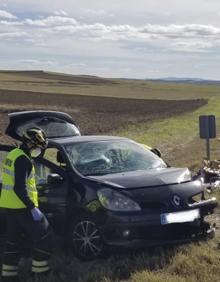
{"x": 94, "y": 115}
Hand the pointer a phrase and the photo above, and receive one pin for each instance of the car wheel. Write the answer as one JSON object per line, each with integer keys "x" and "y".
{"x": 86, "y": 239}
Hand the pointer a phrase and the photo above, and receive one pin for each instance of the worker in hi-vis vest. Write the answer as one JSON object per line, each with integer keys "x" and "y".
{"x": 19, "y": 197}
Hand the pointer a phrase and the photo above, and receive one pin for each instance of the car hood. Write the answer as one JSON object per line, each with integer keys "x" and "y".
{"x": 148, "y": 178}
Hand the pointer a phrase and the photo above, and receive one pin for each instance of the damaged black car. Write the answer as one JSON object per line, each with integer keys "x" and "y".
{"x": 101, "y": 191}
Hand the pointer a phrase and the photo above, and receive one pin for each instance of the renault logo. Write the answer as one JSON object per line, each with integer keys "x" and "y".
{"x": 176, "y": 200}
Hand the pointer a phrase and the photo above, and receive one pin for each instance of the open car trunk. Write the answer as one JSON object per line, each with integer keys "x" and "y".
{"x": 54, "y": 124}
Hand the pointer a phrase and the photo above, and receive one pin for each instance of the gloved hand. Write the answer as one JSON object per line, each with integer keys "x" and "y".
{"x": 37, "y": 214}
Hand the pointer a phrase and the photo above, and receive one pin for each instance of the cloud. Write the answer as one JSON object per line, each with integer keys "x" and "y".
{"x": 142, "y": 37}
{"x": 185, "y": 37}
{"x": 60, "y": 13}
{"x": 7, "y": 15}
{"x": 98, "y": 13}
{"x": 192, "y": 46}
{"x": 78, "y": 65}
{"x": 51, "y": 21}
{"x": 34, "y": 62}
{"x": 69, "y": 25}
{"x": 13, "y": 34}
{"x": 180, "y": 31}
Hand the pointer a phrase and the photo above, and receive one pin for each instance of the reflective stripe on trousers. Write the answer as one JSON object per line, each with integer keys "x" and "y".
{"x": 40, "y": 266}
{"x": 9, "y": 270}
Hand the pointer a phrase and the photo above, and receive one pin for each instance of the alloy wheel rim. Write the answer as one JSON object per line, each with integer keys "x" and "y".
{"x": 87, "y": 239}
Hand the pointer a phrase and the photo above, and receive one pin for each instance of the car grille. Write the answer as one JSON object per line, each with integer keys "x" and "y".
{"x": 152, "y": 206}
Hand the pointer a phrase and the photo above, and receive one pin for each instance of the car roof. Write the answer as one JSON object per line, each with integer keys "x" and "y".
{"x": 86, "y": 138}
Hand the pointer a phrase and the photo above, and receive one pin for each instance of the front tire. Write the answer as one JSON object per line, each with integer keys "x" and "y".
{"x": 86, "y": 239}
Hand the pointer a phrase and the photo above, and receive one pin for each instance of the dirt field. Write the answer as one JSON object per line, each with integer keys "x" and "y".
{"x": 94, "y": 115}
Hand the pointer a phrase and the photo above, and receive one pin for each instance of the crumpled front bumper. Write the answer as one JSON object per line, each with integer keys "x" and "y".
{"x": 143, "y": 229}
{"x": 206, "y": 206}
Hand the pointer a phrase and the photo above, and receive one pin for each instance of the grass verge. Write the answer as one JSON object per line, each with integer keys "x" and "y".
{"x": 170, "y": 133}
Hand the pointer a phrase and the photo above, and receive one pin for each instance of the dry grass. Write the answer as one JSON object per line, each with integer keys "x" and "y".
{"x": 198, "y": 262}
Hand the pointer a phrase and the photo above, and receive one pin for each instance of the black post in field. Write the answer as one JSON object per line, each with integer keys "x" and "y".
{"x": 207, "y": 130}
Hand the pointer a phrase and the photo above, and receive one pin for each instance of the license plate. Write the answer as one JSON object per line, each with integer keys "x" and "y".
{"x": 179, "y": 217}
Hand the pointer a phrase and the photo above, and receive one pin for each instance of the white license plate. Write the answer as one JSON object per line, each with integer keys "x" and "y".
{"x": 179, "y": 217}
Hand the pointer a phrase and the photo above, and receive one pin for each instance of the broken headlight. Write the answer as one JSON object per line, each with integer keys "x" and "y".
{"x": 115, "y": 201}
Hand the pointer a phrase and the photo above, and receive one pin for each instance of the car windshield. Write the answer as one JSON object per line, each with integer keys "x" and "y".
{"x": 113, "y": 156}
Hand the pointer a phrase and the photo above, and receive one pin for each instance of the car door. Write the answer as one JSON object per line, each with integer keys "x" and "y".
{"x": 52, "y": 185}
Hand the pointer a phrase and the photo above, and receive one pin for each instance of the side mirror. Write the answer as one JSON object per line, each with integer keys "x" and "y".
{"x": 156, "y": 151}
{"x": 54, "y": 178}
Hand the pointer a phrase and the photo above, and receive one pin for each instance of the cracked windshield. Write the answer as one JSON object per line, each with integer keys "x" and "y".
{"x": 107, "y": 157}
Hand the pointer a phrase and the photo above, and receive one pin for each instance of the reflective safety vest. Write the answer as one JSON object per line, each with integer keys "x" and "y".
{"x": 8, "y": 197}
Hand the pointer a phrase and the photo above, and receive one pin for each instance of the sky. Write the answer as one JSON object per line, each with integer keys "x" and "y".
{"x": 109, "y": 38}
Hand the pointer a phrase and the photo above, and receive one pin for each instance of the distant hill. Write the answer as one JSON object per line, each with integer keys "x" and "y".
{"x": 87, "y": 85}
{"x": 92, "y": 79}
{"x": 186, "y": 80}
{"x": 40, "y": 74}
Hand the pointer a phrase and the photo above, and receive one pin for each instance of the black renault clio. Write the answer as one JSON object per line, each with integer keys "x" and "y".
{"x": 100, "y": 191}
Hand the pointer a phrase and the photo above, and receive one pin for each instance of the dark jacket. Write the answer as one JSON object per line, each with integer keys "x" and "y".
{"x": 23, "y": 167}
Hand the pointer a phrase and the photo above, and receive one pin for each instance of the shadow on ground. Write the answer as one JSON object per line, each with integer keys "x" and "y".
{"x": 118, "y": 265}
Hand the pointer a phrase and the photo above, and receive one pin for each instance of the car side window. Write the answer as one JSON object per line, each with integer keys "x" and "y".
{"x": 41, "y": 173}
{"x": 50, "y": 154}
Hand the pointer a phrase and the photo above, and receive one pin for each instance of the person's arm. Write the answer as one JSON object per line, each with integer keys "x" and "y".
{"x": 23, "y": 167}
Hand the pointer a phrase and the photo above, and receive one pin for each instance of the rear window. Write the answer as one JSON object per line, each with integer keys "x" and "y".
{"x": 53, "y": 127}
